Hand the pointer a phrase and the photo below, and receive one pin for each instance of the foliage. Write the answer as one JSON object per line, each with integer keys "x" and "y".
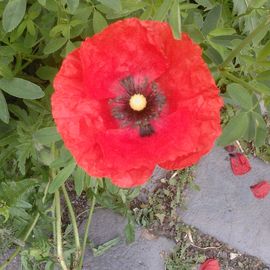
{"x": 35, "y": 36}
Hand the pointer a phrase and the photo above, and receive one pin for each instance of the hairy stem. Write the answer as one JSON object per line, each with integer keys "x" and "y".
{"x": 74, "y": 226}
{"x": 264, "y": 25}
{"x": 59, "y": 244}
{"x": 88, "y": 222}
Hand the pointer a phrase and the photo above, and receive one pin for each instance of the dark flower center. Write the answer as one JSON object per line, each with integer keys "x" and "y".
{"x": 138, "y": 105}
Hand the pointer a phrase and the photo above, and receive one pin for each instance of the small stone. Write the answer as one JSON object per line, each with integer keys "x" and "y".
{"x": 234, "y": 255}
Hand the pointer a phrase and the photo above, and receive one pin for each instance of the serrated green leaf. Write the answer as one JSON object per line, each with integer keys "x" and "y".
{"x": 23, "y": 153}
{"x": 211, "y": 20}
{"x": 240, "y": 95}
{"x": 61, "y": 177}
{"x": 163, "y": 10}
{"x": 54, "y": 45}
{"x": 175, "y": 19}
{"x": 47, "y": 135}
{"x": 4, "y": 114}
{"x": 113, "y": 4}
{"x": 21, "y": 88}
{"x": 99, "y": 22}
{"x": 13, "y": 14}
{"x": 234, "y": 130}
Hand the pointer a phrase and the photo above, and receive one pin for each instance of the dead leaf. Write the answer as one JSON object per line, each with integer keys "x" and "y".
{"x": 148, "y": 235}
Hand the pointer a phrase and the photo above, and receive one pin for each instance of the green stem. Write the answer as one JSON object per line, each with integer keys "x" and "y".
{"x": 60, "y": 254}
{"x": 74, "y": 225}
{"x": 27, "y": 234}
{"x": 247, "y": 40}
{"x": 233, "y": 78}
{"x": 88, "y": 222}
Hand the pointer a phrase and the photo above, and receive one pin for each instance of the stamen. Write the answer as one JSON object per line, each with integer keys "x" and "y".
{"x": 140, "y": 104}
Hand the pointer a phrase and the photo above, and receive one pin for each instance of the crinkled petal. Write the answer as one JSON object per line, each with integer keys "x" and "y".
{"x": 90, "y": 77}
{"x": 239, "y": 163}
{"x": 261, "y": 189}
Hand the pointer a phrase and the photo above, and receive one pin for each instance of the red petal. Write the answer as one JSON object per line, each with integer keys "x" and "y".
{"x": 210, "y": 264}
{"x": 239, "y": 164}
{"x": 261, "y": 189}
{"x": 230, "y": 148}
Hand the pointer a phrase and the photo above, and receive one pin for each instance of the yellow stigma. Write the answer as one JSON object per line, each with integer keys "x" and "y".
{"x": 137, "y": 102}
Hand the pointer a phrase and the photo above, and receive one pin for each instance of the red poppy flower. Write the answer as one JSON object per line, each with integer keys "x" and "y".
{"x": 261, "y": 189}
{"x": 132, "y": 97}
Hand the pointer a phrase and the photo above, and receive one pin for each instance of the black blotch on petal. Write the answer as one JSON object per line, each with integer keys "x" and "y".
{"x": 146, "y": 130}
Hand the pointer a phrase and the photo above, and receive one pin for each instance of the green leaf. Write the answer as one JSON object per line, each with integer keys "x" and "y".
{"x": 163, "y": 10}
{"x": 264, "y": 52}
{"x": 222, "y": 32}
{"x": 4, "y": 114}
{"x": 42, "y": 2}
{"x": 211, "y": 20}
{"x": 113, "y": 4}
{"x": 61, "y": 177}
{"x": 249, "y": 134}
{"x": 235, "y": 129}
{"x": 101, "y": 249}
{"x": 73, "y": 5}
{"x": 13, "y": 14}
{"x": 214, "y": 55}
{"x": 21, "y": 88}
{"x": 79, "y": 176}
{"x": 99, "y": 22}
{"x": 46, "y": 73}
{"x": 194, "y": 32}
{"x": 264, "y": 76}
{"x": 175, "y": 19}
{"x": 129, "y": 232}
{"x": 260, "y": 130}
{"x": 54, "y": 45}
{"x": 47, "y": 135}
{"x": 23, "y": 153}
{"x": 240, "y": 95}
{"x": 260, "y": 87}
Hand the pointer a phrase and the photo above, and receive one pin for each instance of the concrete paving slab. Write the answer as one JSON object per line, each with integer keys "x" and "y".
{"x": 14, "y": 265}
{"x": 143, "y": 254}
{"x": 225, "y": 207}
